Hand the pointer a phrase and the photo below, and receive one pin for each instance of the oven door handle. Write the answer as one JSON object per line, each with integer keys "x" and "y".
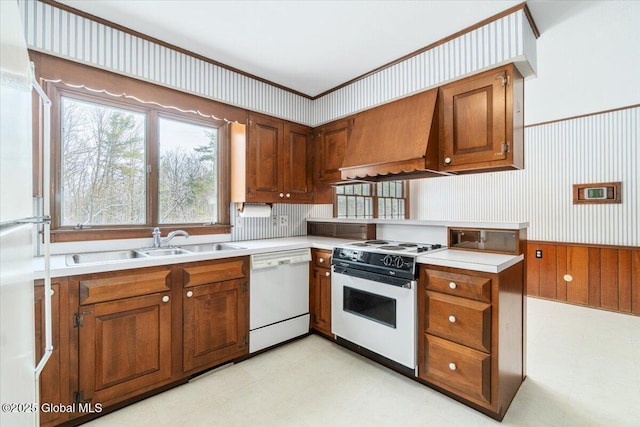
{"x": 367, "y": 275}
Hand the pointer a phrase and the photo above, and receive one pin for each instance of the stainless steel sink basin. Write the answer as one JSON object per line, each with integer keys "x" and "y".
{"x": 211, "y": 247}
{"x": 97, "y": 257}
{"x": 163, "y": 251}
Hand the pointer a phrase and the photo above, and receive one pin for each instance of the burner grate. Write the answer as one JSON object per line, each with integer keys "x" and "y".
{"x": 392, "y": 248}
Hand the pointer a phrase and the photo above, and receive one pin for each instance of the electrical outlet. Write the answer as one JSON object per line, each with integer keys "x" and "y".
{"x": 284, "y": 220}
{"x": 274, "y": 220}
{"x": 538, "y": 253}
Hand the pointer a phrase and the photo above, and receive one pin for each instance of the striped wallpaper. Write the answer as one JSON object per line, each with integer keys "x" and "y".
{"x": 54, "y": 31}
{"x": 267, "y": 228}
{"x": 598, "y": 148}
{"x": 64, "y": 34}
{"x": 509, "y": 39}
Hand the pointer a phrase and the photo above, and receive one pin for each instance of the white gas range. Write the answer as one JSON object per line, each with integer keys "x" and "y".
{"x": 373, "y": 294}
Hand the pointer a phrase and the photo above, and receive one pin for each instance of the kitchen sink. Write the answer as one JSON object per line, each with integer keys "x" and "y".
{"x": 163, "y": 251}
{"x": 112, "y": 256}
{"x": 211, "y": 247}
{"x": 96, "y": 257}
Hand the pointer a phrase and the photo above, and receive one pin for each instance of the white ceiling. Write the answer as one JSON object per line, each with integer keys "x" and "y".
{"x": 309, "y": 46}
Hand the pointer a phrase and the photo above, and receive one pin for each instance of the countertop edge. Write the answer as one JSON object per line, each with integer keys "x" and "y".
{"x": 485, "y": 262}
{"x": 59, "y": 268}
{"x": 500, "y": 225}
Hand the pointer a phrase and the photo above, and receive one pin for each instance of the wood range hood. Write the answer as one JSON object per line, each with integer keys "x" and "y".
{"x": 398, "y": 140}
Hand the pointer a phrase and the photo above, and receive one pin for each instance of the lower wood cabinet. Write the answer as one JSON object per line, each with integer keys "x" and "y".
{"x": 215, "y": 313}
{"x": 55, "y": 378}
{"x": 124, "y": 343}
{"x": 121, "y": 334}
{"x": 471, "y": 339}
{"x": 320, "y": 291}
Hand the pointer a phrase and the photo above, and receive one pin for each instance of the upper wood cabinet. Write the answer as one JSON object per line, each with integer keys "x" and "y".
{"x": 481, "y": 124}
{"x": 330, "y": 142}
{"x": 273, "y": 163}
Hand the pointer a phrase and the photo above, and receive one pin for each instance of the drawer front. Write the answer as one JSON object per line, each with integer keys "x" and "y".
{"x": 462, "y": 320}
{"x": 462, "y": 285}
{"x": 108, "y": 287}
{"x": 464, "y": 370}
{"x": 322, "y": 258}
{"x": 214, "y": 271}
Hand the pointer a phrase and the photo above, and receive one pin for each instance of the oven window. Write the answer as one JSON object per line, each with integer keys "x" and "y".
{"x": 372, "y": 306}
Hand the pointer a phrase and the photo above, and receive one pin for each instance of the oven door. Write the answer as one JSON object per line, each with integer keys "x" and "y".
{"x": 377, "y": 316}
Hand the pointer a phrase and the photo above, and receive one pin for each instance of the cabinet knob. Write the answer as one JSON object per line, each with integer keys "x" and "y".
{"x": 327, "y": 274}
{"x": 452, "y": 366}
{"x": 452, "y": 285}
{"x": 288, "y": 195}
{"x": 189, "y": 294}
{"x": 447, "y": 160}
{"x": 165, "y": 298}
{"x": 281, "y": 194}
{"x": 320, "y": 260}
{"x": 568, "y": 278}
{"x": 452, "y": 319}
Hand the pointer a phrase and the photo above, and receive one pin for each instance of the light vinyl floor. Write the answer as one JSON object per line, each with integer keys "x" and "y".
{"x": 583, "y": 369}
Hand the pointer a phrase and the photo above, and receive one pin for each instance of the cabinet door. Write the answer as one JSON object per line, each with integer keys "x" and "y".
{"x": 321, "y": 300}
{"x": 298, "y": 186}
{"x": 474, "y": 121}
{"x": 332, "y": 141}
{"x": 263, "y": 159}
{"x": 124, "y": 347}
{"x": 54, "y": 379}
{"x": 215, "y": 323}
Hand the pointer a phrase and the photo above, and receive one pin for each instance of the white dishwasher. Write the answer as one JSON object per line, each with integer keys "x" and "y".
{"x": 279, "y": 297}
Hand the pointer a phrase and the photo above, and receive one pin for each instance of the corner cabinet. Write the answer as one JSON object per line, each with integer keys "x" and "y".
{"x": 471, "y": 335}
{"x": 215, "y": 312}
{"x": 482, "y": 121}
{"x": 320, "y": 292}
{"x": 274, "y": 165}
{"x": 124, "y": 333}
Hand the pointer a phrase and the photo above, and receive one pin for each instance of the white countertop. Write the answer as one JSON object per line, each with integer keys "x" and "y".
{"x": 487, "y": 262}
{"x": 427, "y": 222}
{"x": 469, "y": 260}
{"x": 59, "y": 268}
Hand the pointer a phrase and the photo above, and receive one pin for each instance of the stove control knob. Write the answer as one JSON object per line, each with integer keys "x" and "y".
{"x": 387, "y": 260}
{"x": 399, "y": 262}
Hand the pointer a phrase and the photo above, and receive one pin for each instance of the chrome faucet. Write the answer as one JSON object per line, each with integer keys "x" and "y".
{"x": 158, "y": 242}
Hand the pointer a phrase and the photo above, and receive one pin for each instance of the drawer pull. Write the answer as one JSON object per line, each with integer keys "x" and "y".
{"x": 452, "y": 285}
{"x": 165, "y": 298}
{"x": 452, "y": 366}
{"x": 452, "y": 319}
{"x": 320, "y": 260}
{"x": 189, "y": 294}
{"x": 327, "y": 274}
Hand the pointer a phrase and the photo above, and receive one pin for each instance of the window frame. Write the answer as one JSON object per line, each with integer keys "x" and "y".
{"x": 67, "y": 79}
{"x": 373, "y": 195}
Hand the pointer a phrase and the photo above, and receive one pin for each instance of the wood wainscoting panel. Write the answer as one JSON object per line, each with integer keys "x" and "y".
{"x": 609, "y": 298}
{"x": 635, "y": 282}
{"x": 598, "y": 276}
{"x": 594, "y": 277}
{"x": 578, "y": 267}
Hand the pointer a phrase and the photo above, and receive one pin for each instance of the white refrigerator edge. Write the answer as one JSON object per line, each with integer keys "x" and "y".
{"x": 19, "y": 226}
